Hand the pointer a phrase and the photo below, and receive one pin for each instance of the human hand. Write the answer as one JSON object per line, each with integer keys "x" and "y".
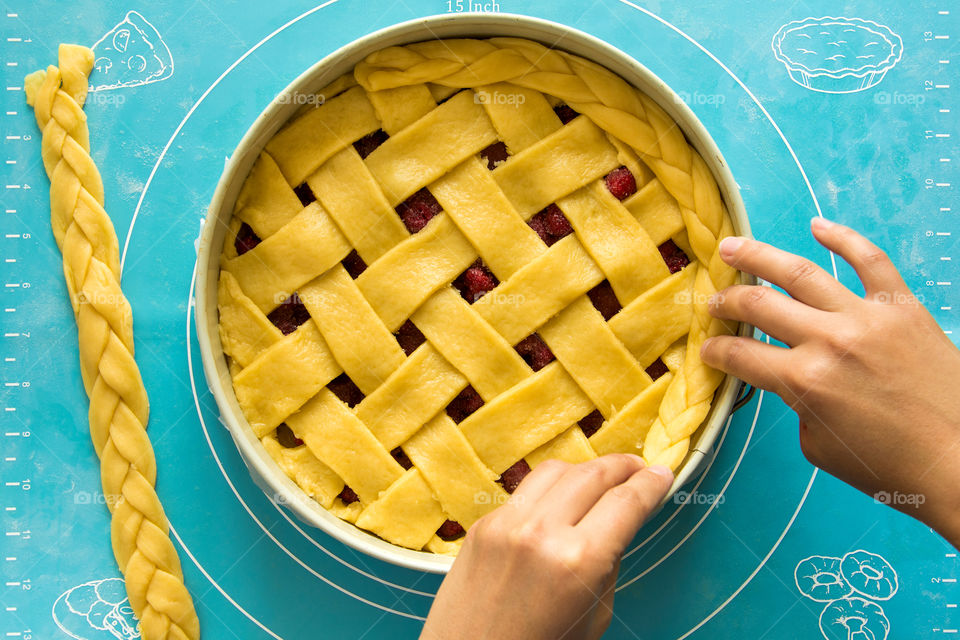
{"x": 874, "y": 380}
{"x": 544, "y": 565}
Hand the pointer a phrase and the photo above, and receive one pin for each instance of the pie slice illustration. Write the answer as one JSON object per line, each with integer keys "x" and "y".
{"x": 837, "y": 55}
{"x": 131, "y": 54}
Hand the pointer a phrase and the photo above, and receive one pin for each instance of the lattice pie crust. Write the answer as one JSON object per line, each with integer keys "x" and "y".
{"x": 473, "y": 256}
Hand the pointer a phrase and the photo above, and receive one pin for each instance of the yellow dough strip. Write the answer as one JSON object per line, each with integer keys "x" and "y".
{"x": 625, "y": 113}
{"x": 118, "y": 400}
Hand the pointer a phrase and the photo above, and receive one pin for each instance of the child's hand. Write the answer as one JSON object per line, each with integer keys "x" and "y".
{"x": 544, "y": 565}
{"x": 875, "y": 381}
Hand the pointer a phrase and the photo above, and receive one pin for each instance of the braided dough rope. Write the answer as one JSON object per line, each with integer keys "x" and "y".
{"x": 632, "y": 117}
{"x": 118, "y": 400}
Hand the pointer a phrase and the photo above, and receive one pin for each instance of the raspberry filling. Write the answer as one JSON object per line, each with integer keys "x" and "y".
{"x": 605, "y": 300}
{"x": 344, "y": 388}
{"x": 409, "y": 337}
{"x": 621, "y": 183}
{"x": 401, "y": 458}
{"x": 305, "y": 194}
{"x": 550, "y": 224}
{"x": 354, "y": 264}
{"x": 475, "y": 282}
{"x": 246, "y": 239}
{"x": 495, "y": 154}
{"x": 417, "y": 210}
{"x": 674, "y": 256}
{"x": 348, "y": 495}
{"x": 466, "y": 402}
{"x": 535, "y": 352}
{"x": 512, "y": 477}
{"x": 657, "y": 369}
{"x": 289, "y": 315}
{"x": 369, "y": 142}
{"x": 565, "y": 113}
{"x": 450, "y": 530}
{"x": 591, "y": 423}
{"x": 286, "y": 437}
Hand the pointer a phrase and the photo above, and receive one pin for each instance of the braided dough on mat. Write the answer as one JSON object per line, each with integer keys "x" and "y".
{"x": 118, "y": 400}
{"x": 632, "y": 117}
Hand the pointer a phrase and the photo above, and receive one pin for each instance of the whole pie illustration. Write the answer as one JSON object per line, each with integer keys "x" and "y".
{"x": 464, "y": 258}
{"x": 837, "y": 55}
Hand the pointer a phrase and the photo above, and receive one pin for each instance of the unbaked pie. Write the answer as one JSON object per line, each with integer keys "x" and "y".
{"x": 473, "y": 256}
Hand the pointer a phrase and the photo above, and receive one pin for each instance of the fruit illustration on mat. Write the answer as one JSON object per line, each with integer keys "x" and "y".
{"x": 819, "y": 578}
{"x": 840, "y": 581}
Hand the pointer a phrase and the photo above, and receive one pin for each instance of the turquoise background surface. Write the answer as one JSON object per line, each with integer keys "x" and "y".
{"x": 720, "y": 566}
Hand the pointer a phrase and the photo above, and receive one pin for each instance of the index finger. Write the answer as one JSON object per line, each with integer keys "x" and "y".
{"x": 799, "y": 277}
{"x": 623, "y": 509}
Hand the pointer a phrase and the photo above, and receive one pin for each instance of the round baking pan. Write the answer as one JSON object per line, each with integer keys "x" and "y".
{"x": 263, "y": 469}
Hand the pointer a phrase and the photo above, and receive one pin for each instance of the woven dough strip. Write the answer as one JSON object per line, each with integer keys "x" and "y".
{"x": 634, "y": 118}
{"x": 118, "y": 400}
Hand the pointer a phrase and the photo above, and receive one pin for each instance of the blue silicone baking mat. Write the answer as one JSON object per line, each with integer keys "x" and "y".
{"x": 735, "y": 560}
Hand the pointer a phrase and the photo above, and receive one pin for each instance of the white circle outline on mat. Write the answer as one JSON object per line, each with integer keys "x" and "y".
{"x": 123, "y": 258}
{"x": 265, "y": 530}
{"x": 625, "y": 2}
{"x": 833, "y": 262}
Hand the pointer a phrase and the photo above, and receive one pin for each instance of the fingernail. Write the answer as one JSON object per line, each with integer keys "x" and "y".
{"x": 704, "y": 347}
{"x": 661, "y": 470}
{"x": 819, "y": 222}
{"x": 729, "y": 245}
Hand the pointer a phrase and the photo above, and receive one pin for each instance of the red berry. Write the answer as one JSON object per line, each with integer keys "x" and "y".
{"x": 557, "y": 223}
{"x": 621, "y": 183}
{"x": 495, "y": 154}
{"x": 409, "y": 337}
{"x": 674, "y": 256}
{"x": 605, "y": 300}
{"x": 450, "y": 530}
{"x": 345, "y": 389}
{"x": 535, "y": 352}
{"x": 246, "y": 239}
{"x": 286, "y": 437}
{"x": 591, "y": 423}
{"x": 417, "y": 210}
{"x": 289, "y": 315}
{"x": 369, "y": 142}
{"x": 657, "y": 369}
{"x": 480, "y": 281}
{"x": 401, "y": 458}
{"x": 550, "y": 224}
{"x": 464, "y": 404}
{"x": 512, "y": 477}
{"x": 565, "y": 113}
